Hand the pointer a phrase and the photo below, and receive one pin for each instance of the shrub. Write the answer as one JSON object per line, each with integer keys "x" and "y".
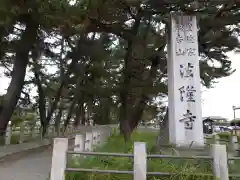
{"x": 116, "y": 144}
{"x": 235, "y": 122}
{"x": 224, "y": 135}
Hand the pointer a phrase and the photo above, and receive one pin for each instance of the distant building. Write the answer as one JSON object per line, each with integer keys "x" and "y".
{"x": 210, "y": 121}
{"x": 216, "y": 118}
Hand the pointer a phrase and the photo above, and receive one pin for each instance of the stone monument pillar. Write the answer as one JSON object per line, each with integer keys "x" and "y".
{"x": 184, "y": 96}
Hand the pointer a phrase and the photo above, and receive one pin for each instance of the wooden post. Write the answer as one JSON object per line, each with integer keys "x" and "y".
{"x": 71, "y": 128}
{"x": 62, "y": 130}
{"x": 33, "y": 132}
{"x": 56, "y": 131}
{"x": 22, "y": 133}
{"x": 52, "y": 130}
{"x": 216, "y": 139}
{"x": 140, "y": 161}
{"x": 79, "y": 147}
{"x": 205, "y": 139}
{"x": 79, "y": 143}
{"x": 8, "y": 135}
{"x": 91, "y": 122}
{"x": 234, "y": 143}
{"x": 88, "y": 141}
{"x": 98, "y": 137}
{"x": 59, "y": 130}
{"x": 68, "y": 129}
{"x": 40, "y": 132}
{"x": 220, "y": 161}
{"x": 48, "y": 132}
{"x": 111, "y": 131}
{"x": 94, "y": 137}
{"x": 59, "y": 159}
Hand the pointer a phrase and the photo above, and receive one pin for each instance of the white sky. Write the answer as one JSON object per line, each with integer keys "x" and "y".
{"x": 217, "y": 101}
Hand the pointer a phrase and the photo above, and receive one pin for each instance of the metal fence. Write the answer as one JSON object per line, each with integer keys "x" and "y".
{"x": 219, "y": 161}
{"x": 232, "y": 142}
{"x": 219, "y": 158}
{"x": 84, "y": 142}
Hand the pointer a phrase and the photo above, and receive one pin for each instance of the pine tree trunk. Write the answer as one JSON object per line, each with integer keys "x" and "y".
{"x": 41, "y": 99}
{"x": 18, "y": 74}
{"x": 163, "y": 138}
{"x": 70, "y": 113}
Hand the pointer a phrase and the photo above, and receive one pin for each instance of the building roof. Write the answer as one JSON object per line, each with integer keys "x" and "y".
{"x": 214, "y": 118}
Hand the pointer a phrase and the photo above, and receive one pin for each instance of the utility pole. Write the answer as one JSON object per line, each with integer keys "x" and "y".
{"x": 234, "y": 117}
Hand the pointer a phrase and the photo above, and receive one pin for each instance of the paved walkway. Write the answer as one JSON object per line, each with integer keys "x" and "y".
{"x": 34, "y": 166}
{"x": 16, "y": 148}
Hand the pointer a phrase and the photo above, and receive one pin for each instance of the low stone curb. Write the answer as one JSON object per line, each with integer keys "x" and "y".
{"x": 20, "y": 154}
{"x": 37, "y": 147}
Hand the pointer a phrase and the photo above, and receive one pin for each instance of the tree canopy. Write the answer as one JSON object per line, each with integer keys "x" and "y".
{"x": 103, "y": 59}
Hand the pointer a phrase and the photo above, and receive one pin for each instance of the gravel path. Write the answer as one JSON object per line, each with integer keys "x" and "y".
{"x": 33, "y": 167}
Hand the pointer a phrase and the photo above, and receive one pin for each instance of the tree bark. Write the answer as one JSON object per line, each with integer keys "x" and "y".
{"x": 18, "y": 74}
{"x": 102, "y": 114}
{"x": 79, "y": 115}
{"x": 139, "y": 108}
{"x": 69, "y": 115}
{"x": 83, "y": 112}
{"x": 5, "y": 31}
{"x": 138, "y": 112}
{"x": 63, "y": 83}
{"x": 58, "y": 119}
{"x": 53, "y": 107}
{"x": 124, "y": 93}
{"x": 163, "y": 138}
{"x": 41, "y": 99}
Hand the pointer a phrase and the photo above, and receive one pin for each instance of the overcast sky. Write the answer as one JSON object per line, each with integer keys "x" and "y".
{"x": 217, "y": 101}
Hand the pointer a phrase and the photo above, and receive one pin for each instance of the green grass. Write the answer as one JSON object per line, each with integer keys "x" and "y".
{"x": 224, "y": 139}
{"x": 116, "y": 144}
{"x": 224, "y": 135}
